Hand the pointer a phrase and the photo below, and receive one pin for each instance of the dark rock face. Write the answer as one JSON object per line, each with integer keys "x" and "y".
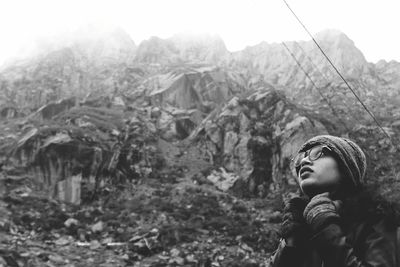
{"x": 201, "y": 88}
{"x": 88, "y": 146}
{"x": 255, "y": 137}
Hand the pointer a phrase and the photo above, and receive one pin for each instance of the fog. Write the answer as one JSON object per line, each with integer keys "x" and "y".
{"x": 372, "y": 25}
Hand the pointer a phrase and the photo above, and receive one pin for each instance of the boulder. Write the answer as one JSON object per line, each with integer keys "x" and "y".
{"x": 222, "y": 179}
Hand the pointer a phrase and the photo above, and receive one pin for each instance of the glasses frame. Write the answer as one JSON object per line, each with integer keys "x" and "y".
{"x": 297, "y": 161}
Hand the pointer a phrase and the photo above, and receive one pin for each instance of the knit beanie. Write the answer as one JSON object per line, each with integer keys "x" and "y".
{"x": 350, "y": 157}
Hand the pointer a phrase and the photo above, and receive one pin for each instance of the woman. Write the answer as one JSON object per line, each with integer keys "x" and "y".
{"x": 337, "y": 222}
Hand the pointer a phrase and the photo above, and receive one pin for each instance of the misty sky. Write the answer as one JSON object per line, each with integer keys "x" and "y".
{"x": 371, "y": 24}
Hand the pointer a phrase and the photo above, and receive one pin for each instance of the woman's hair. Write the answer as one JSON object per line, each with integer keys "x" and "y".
{"x": 369, "y": 205}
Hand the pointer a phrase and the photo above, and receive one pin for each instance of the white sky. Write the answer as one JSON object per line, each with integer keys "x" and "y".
{"x": 371, "y": 24}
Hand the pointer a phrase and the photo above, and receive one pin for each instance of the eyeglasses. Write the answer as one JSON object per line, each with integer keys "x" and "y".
{"x": 313, "y": 154}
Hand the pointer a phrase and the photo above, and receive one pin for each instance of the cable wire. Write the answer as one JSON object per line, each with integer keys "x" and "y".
{"x": 314, "y": 66}
{"x": 316, "y": 87}
{"x": 337, "y": 71}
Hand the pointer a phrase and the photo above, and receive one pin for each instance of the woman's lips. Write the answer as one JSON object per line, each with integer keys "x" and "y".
{"x": 304, "y": 171}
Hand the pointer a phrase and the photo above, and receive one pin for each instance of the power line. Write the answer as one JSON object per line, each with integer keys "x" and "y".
{"x": 312, "y": 63}
{"x": 314, "y": 66}
{"x": 316, "y": 87}
{"x": 337, "y": 71}
{"x": 326, "y": 78}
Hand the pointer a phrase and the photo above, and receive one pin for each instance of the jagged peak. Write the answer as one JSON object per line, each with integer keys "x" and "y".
{"x": 155, "y": 42}
{"x": 333, "y": 35}
{"x": 341, "y": 47}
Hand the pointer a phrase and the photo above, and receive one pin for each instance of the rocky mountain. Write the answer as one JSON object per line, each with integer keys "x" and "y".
{"x": 279, "y": 68}
{"x": 323, "y": 87}
{"x": 182, "y": 48}
{"x": 73, "y": 66}
{"x": 182, "y": 80}
{"x": 180, "y": 144}
{"x": 107, "y": 62}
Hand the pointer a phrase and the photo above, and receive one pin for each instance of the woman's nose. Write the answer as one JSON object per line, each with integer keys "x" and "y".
{"x": 305, "y": 160}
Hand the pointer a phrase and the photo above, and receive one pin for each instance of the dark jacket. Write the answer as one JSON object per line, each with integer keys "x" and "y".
{"x": 352, "y": 244}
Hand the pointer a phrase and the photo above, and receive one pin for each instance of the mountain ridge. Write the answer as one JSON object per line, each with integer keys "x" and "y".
{"x": 101, "y": 63}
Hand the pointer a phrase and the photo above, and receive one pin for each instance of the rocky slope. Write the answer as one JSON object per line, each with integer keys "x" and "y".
{"x": 109, "y": 62}
{"x": 76, "y": 65}
{"x": 175, "y": 152}
{"x": 255, "y": 137}
{"x": 325, "y": 89}
{"x": 201, "y": 88}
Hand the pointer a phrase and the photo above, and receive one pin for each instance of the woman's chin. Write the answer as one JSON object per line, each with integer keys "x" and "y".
{"x": 310, "y": 188}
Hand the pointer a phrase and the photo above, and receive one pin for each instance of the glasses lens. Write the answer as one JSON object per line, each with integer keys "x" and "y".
{"x": 297, "y": 160}
{"x": 315, "y": 153}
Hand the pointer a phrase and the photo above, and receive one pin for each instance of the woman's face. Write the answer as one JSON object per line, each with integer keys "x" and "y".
{"x": 319, "y": 176}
